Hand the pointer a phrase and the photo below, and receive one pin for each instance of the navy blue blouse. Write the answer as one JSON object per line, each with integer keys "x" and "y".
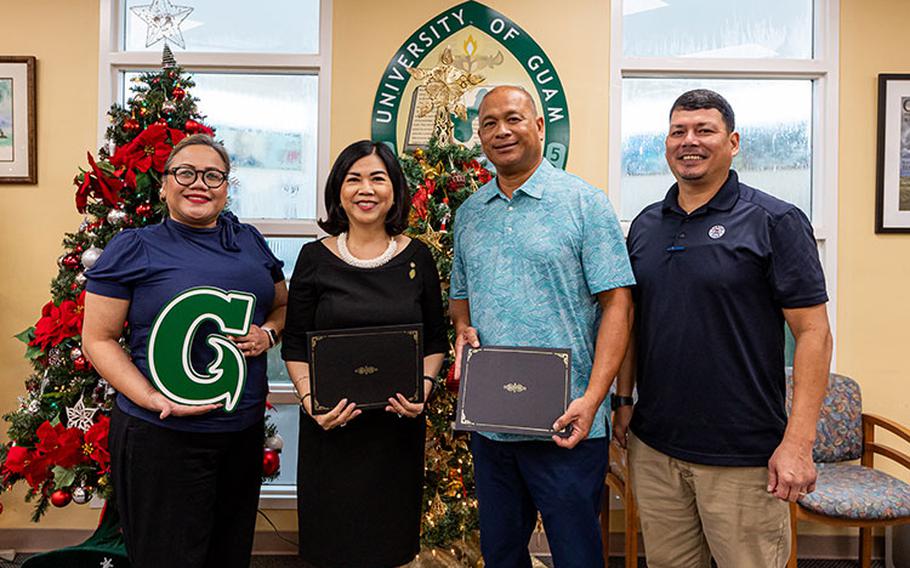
{"x": 152, "y": 265}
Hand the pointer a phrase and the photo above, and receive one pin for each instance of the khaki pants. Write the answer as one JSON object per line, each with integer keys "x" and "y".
{"x": 690, "y": 512}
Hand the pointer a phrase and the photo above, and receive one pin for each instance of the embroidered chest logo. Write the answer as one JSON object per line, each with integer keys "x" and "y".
{"x": 717, "y": 231}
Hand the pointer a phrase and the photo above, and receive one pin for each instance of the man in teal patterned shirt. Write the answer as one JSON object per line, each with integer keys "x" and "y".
{"x": 540, "y": 261}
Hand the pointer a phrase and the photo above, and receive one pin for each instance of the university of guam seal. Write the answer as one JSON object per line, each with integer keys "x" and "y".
{"x": 434, "y": 83}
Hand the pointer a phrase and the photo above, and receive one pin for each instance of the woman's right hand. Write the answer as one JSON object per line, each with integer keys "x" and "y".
{"x": 339, "y": 416}
{"x": 157, "y": 402}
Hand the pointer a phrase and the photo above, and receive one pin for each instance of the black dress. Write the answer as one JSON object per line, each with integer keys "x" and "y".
{"x": 360, "y": 487}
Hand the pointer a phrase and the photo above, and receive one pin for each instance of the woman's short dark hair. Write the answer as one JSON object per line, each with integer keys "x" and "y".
{"x": 336, "y": 220}
{"x": 200, "y": 140}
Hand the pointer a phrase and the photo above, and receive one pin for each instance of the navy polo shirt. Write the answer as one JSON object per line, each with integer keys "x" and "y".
{"x": 711, "y": 286}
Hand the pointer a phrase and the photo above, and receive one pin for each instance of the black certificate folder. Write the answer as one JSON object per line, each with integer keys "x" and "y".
{"x": 516, "y": 390}
{"x": 367, "y": 366}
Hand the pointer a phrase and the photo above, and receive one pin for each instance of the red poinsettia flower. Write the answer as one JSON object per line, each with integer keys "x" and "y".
{"x": 149, "y": 150}
{"x": 57, "y": 323}
{"x": 99, "y": 184}
{"x": 419, "y": 202}
{"x": 95, "y": 445}
{"x": 75, "y": 314}
{"x": 483, "y": 174}
{"x": 31, "y": 465}
{"x": 62, "y": 446}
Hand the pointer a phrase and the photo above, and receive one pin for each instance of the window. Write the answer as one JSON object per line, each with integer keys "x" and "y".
{"x": 775, "y": 61}
{"x": 264, "y": 85}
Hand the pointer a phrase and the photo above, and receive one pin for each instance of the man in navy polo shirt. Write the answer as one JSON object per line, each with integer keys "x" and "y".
{"x": 720, "y": 267}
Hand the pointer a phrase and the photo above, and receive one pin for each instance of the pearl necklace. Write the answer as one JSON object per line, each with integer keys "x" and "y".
{"x": 349, "y": 258}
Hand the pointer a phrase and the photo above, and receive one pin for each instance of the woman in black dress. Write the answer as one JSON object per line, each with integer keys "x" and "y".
{"x": 360, "y": 472}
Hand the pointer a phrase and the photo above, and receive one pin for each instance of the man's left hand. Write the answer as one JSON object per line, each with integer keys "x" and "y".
{"x": 579, "y": 416}
{"x": 791, "y": 471}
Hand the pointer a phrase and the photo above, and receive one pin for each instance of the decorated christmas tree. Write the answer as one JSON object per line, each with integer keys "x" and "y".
{"x": 441, "y": 177}
{"x": 58, "y": 433}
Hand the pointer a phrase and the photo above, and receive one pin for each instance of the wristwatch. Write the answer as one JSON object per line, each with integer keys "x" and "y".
{"x": 616, "y": 401}
{"x": 273, "y": 336}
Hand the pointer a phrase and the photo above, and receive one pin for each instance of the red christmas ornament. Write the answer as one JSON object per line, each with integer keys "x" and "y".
{"x": 77, "y": 248}
{"x": 74, "y": 286}
{"x": 131, "y": 124}
{"x": 71, "y": 261}
{"x": 61, "y": 498}
{"x": 451, "y": 383}
{"x": 81, "y": 364}
{"x": 270, "y": 462}
{"x": 143, "y": 209}
{"x": 178, "y": 93}
{"x": 191, "y": 125}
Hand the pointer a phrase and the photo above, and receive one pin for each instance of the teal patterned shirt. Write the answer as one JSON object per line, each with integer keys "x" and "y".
{"x": 530, "y": 268}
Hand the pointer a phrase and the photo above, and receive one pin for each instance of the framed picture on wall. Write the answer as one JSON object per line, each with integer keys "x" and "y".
{"x": 892, "y": 199}
{"x": 18, "y": 142}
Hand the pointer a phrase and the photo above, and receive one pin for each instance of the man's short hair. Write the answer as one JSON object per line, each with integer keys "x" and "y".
{"x": 697, "y": 99}
{"x": 518, "y": 88}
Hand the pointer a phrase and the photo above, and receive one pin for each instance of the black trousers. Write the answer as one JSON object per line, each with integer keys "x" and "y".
{"x": 186, "y": 499}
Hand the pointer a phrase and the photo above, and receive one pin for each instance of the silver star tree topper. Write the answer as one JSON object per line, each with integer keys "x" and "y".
{"x": 163, "y": 19}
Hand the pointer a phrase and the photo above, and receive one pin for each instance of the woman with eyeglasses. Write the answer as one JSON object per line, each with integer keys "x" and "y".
{"x": 186, "y": 475}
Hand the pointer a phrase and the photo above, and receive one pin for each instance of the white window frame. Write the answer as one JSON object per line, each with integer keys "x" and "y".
{"x": 113, "y": 63}
{"x": 822, "y": 69}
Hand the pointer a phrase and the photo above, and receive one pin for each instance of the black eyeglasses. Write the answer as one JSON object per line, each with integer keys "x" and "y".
{"x": 186, "y": 176}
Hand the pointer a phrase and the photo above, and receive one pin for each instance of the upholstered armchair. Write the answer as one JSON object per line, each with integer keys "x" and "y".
{"x": 849, "y": 494}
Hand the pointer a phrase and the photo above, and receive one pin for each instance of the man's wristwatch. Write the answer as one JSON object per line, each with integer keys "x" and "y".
{"x": 616, "y": 401}
{"x": 273, "y": 336}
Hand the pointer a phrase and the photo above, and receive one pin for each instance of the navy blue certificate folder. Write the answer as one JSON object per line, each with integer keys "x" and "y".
{"x": 514, "y": 390}
{"x": 367, "y": 366}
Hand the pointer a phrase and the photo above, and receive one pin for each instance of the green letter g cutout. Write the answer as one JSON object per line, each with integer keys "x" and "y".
{"x": 171, "y": 341}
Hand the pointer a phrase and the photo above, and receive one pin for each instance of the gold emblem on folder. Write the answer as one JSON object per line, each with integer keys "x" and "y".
{"x": 365, "y": 370}
{"x": 514, "y": 388}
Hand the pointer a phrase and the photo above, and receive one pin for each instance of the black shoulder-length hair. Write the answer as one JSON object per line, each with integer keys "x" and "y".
{"x": 336, "y": 220}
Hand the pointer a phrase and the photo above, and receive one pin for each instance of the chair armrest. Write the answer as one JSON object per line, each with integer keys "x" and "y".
{"x": 870, "y": 446}
{"x": 890, "y": 425}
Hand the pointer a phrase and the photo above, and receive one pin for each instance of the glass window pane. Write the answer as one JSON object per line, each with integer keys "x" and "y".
{"x": 268, "y": 124}
{"x": 717, "y": 28}
{"x": 773, "y": 117}
{"x": 286, "y": 417}
{"x": 279, "y": 26}
{"x": 286, "y": 249}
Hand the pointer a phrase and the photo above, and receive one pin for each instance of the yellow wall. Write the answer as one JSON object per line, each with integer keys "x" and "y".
{"x": 873, "y": 308}
{"x": 872, "y": 270}
{"x": 64, "y": 38}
